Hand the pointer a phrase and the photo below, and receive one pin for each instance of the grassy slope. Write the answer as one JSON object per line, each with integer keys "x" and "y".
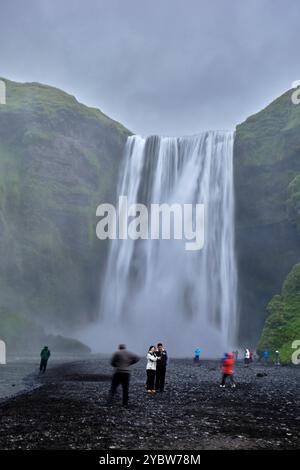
{"x": 267, "y": 172}
{"x": 59, "y": 159}
{"x": 44, "y": 99}
{"x": 282, "y": 326}
{"x": 263, "y": 135}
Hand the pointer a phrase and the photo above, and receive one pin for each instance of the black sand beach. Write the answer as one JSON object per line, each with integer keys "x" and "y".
{"x": 69, "y": 410}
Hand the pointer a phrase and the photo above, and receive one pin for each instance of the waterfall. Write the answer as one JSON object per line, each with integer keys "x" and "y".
{"x": 155, "y": 290}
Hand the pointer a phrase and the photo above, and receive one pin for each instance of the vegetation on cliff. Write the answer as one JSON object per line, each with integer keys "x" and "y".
{"x": 59, "y": 160}
{"x": 282, "y": 326}
{"x": 267, "y": 188}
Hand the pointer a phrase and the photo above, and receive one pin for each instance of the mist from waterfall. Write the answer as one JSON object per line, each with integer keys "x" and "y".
{"x": 155, "y": 290}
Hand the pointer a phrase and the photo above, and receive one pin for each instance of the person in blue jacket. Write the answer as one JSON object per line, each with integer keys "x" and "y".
{"x": 197, "y": 354}
{"x": 266, "y": 355}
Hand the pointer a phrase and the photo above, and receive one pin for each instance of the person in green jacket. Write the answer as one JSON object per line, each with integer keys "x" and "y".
{"x": 45, "y": 354}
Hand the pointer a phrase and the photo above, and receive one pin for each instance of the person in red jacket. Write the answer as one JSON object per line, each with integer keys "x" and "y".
{"x": 228, "y": 364}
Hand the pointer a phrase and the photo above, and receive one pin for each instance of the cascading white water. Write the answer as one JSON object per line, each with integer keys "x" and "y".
{"x": 155, "y": 290}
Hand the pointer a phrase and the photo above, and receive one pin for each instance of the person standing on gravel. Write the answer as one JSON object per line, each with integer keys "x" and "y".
{"x": 251, "y": 356}
{"x": 266, "y": 355}
{"x": 247, "y": 357}
{"x": 151, "y": 369}
{"x": 161, "y": 367}
{"x": 45, "y": 354}
{"x": 197, "y": 354}
{"x": 228, "y": 364}
{"x": 121, "y": 361}
{"x": 277, "y": 358}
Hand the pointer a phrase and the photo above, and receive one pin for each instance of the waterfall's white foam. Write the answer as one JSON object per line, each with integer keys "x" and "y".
{"x": 155, "y": 290}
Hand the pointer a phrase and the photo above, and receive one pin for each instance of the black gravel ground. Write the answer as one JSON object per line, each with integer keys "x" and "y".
{"x": 70, "y": 411}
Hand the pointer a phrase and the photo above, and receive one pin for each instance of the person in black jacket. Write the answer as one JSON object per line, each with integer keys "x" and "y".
{"x": 121, "y": 361}
{"x": 161, "y": 367}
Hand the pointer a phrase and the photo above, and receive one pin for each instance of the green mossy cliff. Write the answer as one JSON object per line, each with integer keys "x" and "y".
{"x": 267, "y": 188}
{"x": 59, "y": 159}
{"x": 282, "y": 326}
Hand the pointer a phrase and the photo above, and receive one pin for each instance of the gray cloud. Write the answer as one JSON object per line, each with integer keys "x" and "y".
{"x": 166, "y": 66}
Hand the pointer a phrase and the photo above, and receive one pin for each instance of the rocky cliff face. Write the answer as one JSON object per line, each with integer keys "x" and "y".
{"x": 59, "y": 159}
{"x": 267, "y": 185}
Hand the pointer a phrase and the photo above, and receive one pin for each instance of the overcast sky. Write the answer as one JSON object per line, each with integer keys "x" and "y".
{"x": 170, "y": 67}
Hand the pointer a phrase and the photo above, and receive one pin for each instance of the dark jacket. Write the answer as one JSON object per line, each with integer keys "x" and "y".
{"x": 123, "y": 359}
{"x": 162, "y": 363}
{"x": 45, "y": 354}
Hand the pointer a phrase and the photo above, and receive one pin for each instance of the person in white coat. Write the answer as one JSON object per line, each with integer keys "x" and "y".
{"x": 151, "y": 369}
{"x": 247, "y": 357}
